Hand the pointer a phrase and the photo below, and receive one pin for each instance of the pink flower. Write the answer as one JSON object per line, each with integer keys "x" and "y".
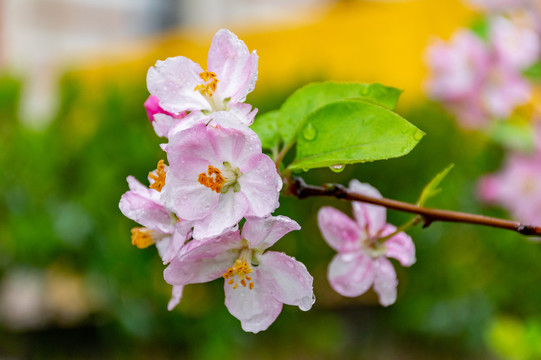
{"x": 516, "y": 45}
{"x": 457, "y": 68}
{"x": 161, "y": 120}
{"x": 217, "y": 176}
{"x": 362, "y": 260}
{"x": 516, "y": 187}
{"x": 257, "y": 283}
{"x": 182, "y": 85}
{"x": 160, "y": 226}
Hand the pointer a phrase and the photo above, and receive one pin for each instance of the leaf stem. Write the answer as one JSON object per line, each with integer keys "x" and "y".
{"x": 302, "y": 190}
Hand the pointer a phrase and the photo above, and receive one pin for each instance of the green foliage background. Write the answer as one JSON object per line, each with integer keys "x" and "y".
{"x": 472, "y": 292}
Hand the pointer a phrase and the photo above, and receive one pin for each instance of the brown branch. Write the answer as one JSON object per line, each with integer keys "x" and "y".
{"x": 300, "y": 189}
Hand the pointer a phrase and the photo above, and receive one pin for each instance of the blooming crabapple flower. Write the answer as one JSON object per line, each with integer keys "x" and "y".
{"x": 182, "y": 85}
{"x": 516, "y": 187}
{"x": 457, "y": 68}
{"x": 362, "y": 259}
{"x": 217, "y": 176}
{"x": 257, "y": 283}
{"x": 515, "y": 45}
{"x": 160, "y": 226}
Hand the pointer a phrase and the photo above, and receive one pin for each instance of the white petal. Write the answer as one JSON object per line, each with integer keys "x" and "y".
{"x": 287, "y": 279}
{"x": 256, "y": 308}
{"x": 173, "y": 81}
{"x": 351, "y": 274}
{"x": 262, "y": 233}
{"x": 338, "y": 230}
{"x": 385, "y": 282}
{"x": 372, "y": 218}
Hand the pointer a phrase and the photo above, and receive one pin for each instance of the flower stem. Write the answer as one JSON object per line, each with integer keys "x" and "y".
{"x": 302, "y": 190}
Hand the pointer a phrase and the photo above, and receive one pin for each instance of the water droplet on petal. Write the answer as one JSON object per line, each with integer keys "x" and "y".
{"x": 309, "y": 132}
{"x": 337, "y": 168}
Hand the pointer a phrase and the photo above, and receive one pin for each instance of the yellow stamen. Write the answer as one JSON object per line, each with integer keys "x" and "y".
{"x": 211, "y": 82}
{"x": 159, "y": 178}
{"x": 214, "y": 180}
{"x": 141, "y": 237}
{"x": 240, "y": 270}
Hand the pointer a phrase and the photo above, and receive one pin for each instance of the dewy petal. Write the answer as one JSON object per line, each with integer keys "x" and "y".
{"x": 169, "y": 248}
{"x": 142, "y": 205}
{"x": 173, "y": 82}
{"x": 256, "y": 308}
{"x": 244, "y": 111}
{"x": 234, "y": 66}
{"x": 203, "y": 260}
{"x": 189, "y": 154}
{"x": 230, "y": 210}
{"x": 176, "y": 295}
{"x": 261, "y": 185}
{"x": 385, "y": 282}
{"x": 163, "y": 124}
{"x": 351, "y": 274}
{"x": 339, "y": 231}
{"x": 262, "y": 233}
{"x": 287, "y": 279}
{"x": 400, "y": 246}
{"x": 369, "y": 217}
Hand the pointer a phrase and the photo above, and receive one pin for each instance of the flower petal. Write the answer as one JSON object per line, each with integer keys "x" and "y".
{"x": 261, "y": 185}
{"x": 351, "y": 274}
{"x": 338, "y": 230}
{"x": 203, "y": 261}
{"x": 255, "y": 308}
{"x": 169, "y": 247}
{"x": 287, "y": 279}
{"x": 142, "y": 205}
{"x": 173, "y": 82}
{"x": 234, "y": 66}
{"x": 176, "y": 295}
{"x": 385, "y": 282}
{"x": 262, "y": 233}
{"x": 400, "y": 246}
{"x": 229, "y": 211}
{"x": 369, "y": 217}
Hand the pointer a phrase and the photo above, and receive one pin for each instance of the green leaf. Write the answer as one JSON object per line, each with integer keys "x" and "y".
{"x": 313, "y": 96}
{"x": 533, "y": 72}
{"x": 352, "y": 131}
{"x": 266, "y": 127}
{"x": 431, "y": 189}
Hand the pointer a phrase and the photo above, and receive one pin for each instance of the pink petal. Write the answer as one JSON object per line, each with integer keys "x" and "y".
{"x": 234, "y": 66}
{"x": 400, "y": 246}
{"x": 262, "y": 233}
{"x": 385, "y": 281}
{"x": 175, "y": 296}
{"x": 256, "y": 308}
{"x": 230, "y": 209}
{"x": 170, "y": 248}
{"x": 203, "y": 261}
{"x": 338, "y": 230}
{"x": 173, "y": 82}
{"x": 261, "y": 185}
{"x": 351, "y": 274}
{"x": 371, "y": 218}
{"x": 142, "y": 206}
{"x": 287, "y": 279}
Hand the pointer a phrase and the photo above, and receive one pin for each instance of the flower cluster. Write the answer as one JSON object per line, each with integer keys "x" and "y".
{"x": 516, "y": 186}
{"x": 364, "y": 246}
{"x": 216, "y": 176}
{"x": 482, "y": 79}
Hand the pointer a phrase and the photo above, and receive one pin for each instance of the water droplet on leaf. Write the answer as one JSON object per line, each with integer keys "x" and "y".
{"x": 337, "y": 168}
{"x": 309, "y": 132}
{"x": 418, "y": 136}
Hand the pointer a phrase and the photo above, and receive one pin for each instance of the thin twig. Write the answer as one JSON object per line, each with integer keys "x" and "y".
{"x": 302, "y": 190}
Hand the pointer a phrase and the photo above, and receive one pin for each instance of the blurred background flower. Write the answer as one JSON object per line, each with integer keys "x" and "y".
{"x": 73, "y": 127}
